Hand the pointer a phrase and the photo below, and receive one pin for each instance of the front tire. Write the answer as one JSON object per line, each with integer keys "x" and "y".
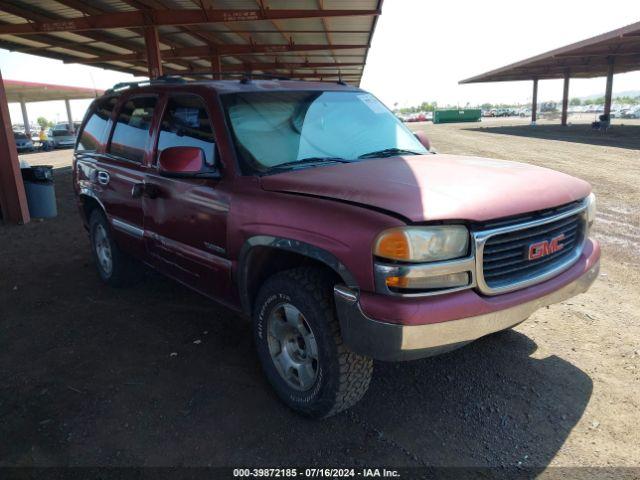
{"x": 298, "y": 339}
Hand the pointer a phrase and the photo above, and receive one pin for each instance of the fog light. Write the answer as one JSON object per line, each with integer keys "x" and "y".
{"x": 451, "y": 280}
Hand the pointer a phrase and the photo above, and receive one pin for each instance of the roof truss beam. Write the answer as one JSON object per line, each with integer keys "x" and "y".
{"x": 170, "y": 17}
{"x": 209, "y": 51}
{"x": 271, "y": 66}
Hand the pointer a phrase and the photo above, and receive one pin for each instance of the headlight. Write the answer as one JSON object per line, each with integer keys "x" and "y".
{"x": 591, "y": 209}
{"x": 423, "y": 244}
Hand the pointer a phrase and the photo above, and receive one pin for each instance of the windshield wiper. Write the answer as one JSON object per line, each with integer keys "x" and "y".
{"x": 388, "y": 152}
{"x": 309, "y": 160}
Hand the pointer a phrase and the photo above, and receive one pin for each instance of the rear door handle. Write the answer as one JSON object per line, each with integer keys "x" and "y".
{"x": 103, "y": 177}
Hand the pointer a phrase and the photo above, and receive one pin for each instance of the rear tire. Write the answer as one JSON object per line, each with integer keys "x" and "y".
{"x": 298, "y": 340}
{"x": 115, "y": 268}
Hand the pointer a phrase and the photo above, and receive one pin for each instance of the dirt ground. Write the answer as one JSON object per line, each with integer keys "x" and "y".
{"x": 95, "y": 376}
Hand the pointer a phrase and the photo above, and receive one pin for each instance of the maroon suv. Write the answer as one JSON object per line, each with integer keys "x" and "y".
{"x": 312, "y": 210}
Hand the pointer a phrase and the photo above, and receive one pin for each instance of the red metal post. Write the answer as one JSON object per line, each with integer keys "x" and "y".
{"x": 534, "y": 102}
{"x": 609, "y": 89}
{"x": 216, "y": 68}
{"x": 565, "y": 98}
{"x": 13, "y": 200}
{"x": 154, "y": 60}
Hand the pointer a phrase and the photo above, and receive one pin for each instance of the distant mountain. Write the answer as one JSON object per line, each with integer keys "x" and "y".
{"x": 626, "y": 93}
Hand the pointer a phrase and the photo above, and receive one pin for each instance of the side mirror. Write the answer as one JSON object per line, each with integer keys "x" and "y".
{"x": 423, "y": 139}
{"x": 184, "y": 162}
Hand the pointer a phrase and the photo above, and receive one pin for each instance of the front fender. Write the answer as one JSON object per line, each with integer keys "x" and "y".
{"x": 286, "y": 244}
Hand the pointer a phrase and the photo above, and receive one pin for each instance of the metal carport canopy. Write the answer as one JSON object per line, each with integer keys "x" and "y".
{"x": 19, "y": 91}
{"x": 617, "y": 51}
{"x": 586, "y": 59}
{"x": 299, "y": 39}
{"x": 314, "y": 39}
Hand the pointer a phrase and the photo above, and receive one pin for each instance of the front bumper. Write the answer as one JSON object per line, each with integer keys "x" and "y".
{"x": 396, "y": 341}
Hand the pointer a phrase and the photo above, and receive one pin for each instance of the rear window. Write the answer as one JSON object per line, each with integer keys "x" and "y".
{"x": 91, "y": 136}
{"x": 19, "y": 136}
{"x": 129, "y": 139}
{"x": 61, "y": 133}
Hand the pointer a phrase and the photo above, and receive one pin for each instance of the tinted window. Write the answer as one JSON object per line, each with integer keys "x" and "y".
{"x": 132, "y": 128}
{"x": 186, "y": 123}
{"x": 94, "y": 129}
{"x": 19, "y": 136}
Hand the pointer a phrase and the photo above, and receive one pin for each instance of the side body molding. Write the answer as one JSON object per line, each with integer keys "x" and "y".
{"x": 286, "y": 244}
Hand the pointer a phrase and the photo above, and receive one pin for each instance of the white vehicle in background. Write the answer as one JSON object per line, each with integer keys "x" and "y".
{"x": 524, "y": 112}
{"x": 632, "y": 112}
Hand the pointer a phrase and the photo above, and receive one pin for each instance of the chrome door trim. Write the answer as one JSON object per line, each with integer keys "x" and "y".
{"x": 127, "y": 228}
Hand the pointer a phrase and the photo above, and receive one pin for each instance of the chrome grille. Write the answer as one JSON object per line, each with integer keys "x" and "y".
{"x": 503, "y": 260}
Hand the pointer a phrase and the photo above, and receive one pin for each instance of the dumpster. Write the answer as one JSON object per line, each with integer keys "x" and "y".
{"x": 40, "y": 191}
{"x": 457, "y": 115}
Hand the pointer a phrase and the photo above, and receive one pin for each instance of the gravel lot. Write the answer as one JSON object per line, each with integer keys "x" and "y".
{"x": 94, "y": 376}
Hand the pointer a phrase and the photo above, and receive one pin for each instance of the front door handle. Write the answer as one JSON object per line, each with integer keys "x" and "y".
{"x": 103, "y": 177}
{"x": 144, "y": 189}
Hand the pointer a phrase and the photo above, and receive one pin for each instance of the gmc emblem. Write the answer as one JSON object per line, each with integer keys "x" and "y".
{"x": 545, "y": 247}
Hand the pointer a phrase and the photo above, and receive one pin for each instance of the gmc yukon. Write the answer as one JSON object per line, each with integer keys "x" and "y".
{"x": 310, "y": 209}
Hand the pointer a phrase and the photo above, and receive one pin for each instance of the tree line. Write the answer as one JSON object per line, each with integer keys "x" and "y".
{"x": 432, "y": 106}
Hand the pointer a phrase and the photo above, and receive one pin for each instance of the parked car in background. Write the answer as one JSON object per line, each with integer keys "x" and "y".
{"x": 310, "y": 209}
{"x": 62, "y": 137}
{"x": 23, "y": 142}
{"x": 630, "y": 113}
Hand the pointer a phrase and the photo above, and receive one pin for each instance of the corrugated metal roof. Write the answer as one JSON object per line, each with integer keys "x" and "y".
{"x": 586, "y": 59}
{"x": 312, "y": 47}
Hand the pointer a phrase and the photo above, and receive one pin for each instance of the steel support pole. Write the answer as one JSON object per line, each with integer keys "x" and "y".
{"x": 534, "y": 102}
{"x": 154, "y": 60}
{"x": 69, "y": 116}
{"x": 609, "y": 89}
{"x": 25, "y": 118}
{"x": 565, "y": 99}
{"x": 13, "y": 200}
{"x": 216, "y": 67}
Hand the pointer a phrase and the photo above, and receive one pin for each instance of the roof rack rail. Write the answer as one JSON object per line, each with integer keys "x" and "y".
{"x": 160, "y": 80}
{"x": 245, "y": 77}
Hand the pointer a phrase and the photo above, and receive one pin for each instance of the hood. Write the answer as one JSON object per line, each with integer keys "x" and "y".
{"x": 436, "y": 187}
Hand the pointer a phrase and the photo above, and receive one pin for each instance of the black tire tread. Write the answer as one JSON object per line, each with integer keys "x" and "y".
{"x": 355, "y": 370}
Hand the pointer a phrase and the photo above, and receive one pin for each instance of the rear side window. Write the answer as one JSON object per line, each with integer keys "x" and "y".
{"x": 187, "y": 123}
{"x": 95, "y": 126}
{"x": 131, "y": 132}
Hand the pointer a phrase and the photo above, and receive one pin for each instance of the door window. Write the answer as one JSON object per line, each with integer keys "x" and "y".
{"x": 131, "y": 133}
{"x": 93, "y": 131}
{"x": 187, "y": 123}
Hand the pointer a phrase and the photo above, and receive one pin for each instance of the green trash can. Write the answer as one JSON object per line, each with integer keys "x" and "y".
{"x": 40, "y": 190}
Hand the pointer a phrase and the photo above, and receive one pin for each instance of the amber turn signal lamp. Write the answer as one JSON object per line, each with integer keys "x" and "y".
{"x": 393, "y": 244}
